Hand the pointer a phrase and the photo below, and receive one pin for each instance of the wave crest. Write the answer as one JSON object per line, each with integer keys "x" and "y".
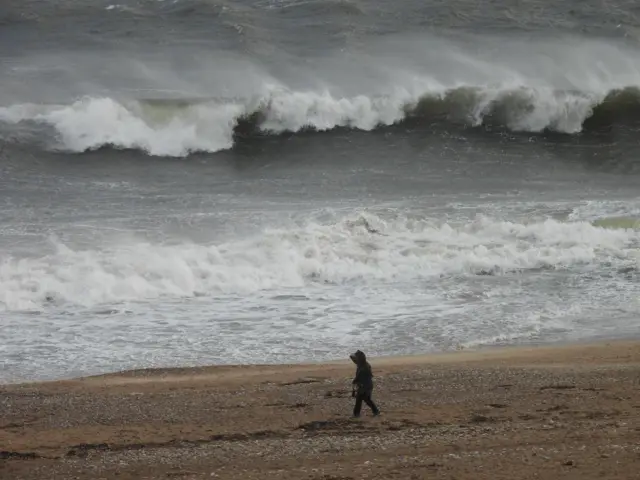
{"x": 177, "y": 127}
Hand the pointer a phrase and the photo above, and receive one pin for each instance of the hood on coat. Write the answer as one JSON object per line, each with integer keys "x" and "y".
{"x": 359, "y": 358}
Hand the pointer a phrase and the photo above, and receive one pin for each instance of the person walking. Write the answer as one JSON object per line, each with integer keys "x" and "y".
{"x": 362, "y": 384}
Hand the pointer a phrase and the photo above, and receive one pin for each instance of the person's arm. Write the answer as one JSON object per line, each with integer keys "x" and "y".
{"x": 363, "y": 376}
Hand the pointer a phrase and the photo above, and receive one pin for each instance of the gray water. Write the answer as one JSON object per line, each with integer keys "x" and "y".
{"x": 194, "y": 182}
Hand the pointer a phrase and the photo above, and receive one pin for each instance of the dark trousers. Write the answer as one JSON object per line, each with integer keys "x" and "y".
{"x": 366, "y": 398}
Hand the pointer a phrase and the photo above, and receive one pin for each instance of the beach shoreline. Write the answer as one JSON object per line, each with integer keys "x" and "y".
{"x": 476, "y": 353}
{"x": 566, "y": 411}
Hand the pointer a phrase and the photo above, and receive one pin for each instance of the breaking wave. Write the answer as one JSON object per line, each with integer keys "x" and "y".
{"x": 358, "y": 249}
{"x": 178, "y": 127}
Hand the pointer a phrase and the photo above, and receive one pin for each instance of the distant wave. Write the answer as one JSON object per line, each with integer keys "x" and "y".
{"x": 177, "y": 127}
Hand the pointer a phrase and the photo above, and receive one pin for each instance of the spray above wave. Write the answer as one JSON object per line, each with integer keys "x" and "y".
{"x": 348, "y": 251}
{"x": 179, "y": 127}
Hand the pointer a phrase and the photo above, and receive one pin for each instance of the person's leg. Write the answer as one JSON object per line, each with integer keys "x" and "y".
{"x": 358, "y": 405}
{"x": 367, "y": 399}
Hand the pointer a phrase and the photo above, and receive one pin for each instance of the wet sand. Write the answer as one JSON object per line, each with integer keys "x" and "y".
{"x": 569, "y": 412}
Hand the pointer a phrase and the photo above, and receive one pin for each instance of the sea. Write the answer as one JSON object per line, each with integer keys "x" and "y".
{"x": 197, "y": 182}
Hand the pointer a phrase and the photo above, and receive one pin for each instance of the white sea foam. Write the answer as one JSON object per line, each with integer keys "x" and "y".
{"x": 345, "y": 252}
{"x": 91, "y": 123}
{"x": 170, "y": 129}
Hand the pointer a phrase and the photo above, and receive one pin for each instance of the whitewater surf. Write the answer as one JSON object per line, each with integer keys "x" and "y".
{"x": 188, "y": 182}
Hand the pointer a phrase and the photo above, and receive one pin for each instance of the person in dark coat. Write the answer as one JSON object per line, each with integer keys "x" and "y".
{"x": 362, "y": 384}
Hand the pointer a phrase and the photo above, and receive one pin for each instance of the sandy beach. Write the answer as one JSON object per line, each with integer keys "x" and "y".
{"x": 545, "y": 412}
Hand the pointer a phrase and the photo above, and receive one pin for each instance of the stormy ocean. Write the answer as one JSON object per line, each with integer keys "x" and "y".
{"x": 190, "y": 182}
